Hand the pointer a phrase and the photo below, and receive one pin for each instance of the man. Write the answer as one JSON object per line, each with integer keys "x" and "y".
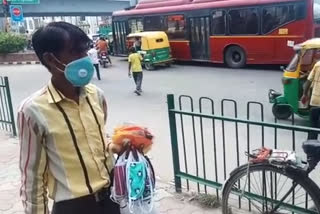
{"x": 102, "y": 47}
{"x": 93, "y": 54}
{"x": 135, "y": 68}
{"x": 314, "y": 81}
{"x": 137, "y": 44}
{"x": 63, "y": 151}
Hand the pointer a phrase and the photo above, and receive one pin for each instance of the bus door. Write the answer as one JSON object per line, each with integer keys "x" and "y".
{"x": 120, "y": 37}
{"x": 199, "y": 34}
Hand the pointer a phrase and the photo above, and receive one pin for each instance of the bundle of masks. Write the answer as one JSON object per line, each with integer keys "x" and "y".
{"x": 134, "y": 178}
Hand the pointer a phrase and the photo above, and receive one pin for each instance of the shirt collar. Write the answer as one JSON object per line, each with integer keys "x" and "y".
{"x": 55, "y": 96}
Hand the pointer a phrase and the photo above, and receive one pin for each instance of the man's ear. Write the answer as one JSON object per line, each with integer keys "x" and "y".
{"x": 49, "y": 60}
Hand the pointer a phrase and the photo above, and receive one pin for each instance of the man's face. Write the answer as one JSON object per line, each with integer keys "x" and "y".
{"x": 66, "y": 56}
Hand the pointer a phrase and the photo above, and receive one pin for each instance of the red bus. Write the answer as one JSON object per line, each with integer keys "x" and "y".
{"x": 235, "y": 32}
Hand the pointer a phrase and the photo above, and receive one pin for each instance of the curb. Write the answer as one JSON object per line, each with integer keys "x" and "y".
{"x": 20, "y": 63}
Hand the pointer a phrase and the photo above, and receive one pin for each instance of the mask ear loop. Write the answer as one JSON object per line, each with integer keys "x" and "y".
{"x": 60, "y": 63}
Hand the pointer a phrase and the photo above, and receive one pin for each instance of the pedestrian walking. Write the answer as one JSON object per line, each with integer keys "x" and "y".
{"x": 135, "y": 69}
{"x": 64, "y": 154}
{"x": 93, "y": 54}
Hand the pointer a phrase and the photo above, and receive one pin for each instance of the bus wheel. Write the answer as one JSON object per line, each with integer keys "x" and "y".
{"x": 149, "y": 66}
{"x": 282, "y": 111}
{"x": 235, "y": 57}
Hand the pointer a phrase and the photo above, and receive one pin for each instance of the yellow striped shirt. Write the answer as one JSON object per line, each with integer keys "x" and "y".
{"x": 314, "y": 77}
{"x": 63, "y": 151}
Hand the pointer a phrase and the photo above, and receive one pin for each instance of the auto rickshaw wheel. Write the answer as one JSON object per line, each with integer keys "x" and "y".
{"x": 149, "y": 66}
{"x": 235, "y": 57}
{"x": 281, "y": 111}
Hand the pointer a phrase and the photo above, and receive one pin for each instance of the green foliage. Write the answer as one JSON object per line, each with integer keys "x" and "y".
{"x": 11, "y": 43}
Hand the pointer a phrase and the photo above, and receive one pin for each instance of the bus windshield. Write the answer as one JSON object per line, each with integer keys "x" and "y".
{"x": 316, "y": 10}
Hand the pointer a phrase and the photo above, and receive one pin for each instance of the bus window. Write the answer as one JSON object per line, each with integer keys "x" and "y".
{"x": 274, "y": 17}
{"x": 135, "y": 25}
{"x": 175, "y": 27}
{"x": 244, "y": 21}
{"x": 219, "y": 22}
{"x": 300, "y": 11}
{"x": 152, "y": 23}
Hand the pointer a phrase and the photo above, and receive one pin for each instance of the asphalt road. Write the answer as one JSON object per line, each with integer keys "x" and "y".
{"x": 150, "y": 109}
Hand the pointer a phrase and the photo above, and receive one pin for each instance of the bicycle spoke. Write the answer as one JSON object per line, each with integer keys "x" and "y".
{"x": 269, "y": 192}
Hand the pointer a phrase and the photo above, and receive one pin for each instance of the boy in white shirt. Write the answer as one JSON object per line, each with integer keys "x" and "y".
{"x": 93, "y": 54}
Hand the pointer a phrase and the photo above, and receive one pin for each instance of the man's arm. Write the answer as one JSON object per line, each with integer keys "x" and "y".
{"x": 129, "y": 70}
{"x": 309, "y": 81}
{"x": 306, "y": 87}
{"x": 33, "y": 166}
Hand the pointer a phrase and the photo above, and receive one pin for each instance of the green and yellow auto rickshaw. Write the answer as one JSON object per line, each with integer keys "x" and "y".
{"x": 155, "y": 48}
{"x": 294, "y": 77}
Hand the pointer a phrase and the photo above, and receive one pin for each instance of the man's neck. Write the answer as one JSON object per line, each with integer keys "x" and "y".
{"x": 67, "y": 89}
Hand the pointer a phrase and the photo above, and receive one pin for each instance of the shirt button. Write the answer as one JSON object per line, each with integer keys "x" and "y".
{"x": 96, "y": 151}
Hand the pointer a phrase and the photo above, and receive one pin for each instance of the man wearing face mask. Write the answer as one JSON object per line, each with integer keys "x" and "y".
{"x": 64, "y": 154}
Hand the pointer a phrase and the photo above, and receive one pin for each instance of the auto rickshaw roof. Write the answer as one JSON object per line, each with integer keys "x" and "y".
{"x": 148, "y": 34}
{"x": 310, "y": 44}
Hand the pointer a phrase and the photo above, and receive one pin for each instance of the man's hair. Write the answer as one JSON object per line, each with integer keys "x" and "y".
{"x": 132, "y": 50}
{"x": 53, "y": 38}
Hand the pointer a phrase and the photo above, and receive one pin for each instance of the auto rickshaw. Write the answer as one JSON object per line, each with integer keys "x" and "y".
{"x": 294, "y": 77}
{"x": 155, "y": 48}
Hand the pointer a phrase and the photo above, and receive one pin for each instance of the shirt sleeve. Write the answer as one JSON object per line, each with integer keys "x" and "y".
{"x": 90, "y": 54}
{"x": 33, "y": 166}
{"x": 129, "y": 58}
{"x": 103, "y": 103}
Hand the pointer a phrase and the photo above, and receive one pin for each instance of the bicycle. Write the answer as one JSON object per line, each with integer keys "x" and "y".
{"x": 274, "y": 182}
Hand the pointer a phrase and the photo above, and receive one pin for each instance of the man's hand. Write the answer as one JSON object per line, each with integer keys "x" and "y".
{"x": 304, "y": 99}
{"x": 119, "y": 149}
{"x": 129, "y": 75}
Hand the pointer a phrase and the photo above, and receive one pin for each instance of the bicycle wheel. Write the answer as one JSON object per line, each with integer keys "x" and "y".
{"x": 262, "y": 189}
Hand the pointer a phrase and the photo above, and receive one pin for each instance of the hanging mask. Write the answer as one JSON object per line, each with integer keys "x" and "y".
{"x": 79, "y": 72}
{"x": 137, "y": 178}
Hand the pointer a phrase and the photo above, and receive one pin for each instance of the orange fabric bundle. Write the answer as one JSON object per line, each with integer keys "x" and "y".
{"x": 137, "y": 136}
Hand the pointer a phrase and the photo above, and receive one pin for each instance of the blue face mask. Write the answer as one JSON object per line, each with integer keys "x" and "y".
{"x": 79, "y": 72}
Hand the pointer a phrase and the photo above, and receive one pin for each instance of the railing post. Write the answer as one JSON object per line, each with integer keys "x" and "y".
{"x": 13, "y": 124}
{"x": 174, "y": 142}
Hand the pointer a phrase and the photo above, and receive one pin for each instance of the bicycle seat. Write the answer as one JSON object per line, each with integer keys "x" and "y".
{"x": 312, "y": 148}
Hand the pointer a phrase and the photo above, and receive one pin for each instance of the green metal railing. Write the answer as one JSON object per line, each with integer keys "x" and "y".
{"x": 7, "y": 122}
{"x": 207, "y": 146}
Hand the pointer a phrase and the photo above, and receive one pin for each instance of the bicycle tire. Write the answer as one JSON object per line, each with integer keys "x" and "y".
{"x": 295, "y": 175}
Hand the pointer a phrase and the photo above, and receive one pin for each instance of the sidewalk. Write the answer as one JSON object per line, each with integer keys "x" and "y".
{"x": 167, "y": 202}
